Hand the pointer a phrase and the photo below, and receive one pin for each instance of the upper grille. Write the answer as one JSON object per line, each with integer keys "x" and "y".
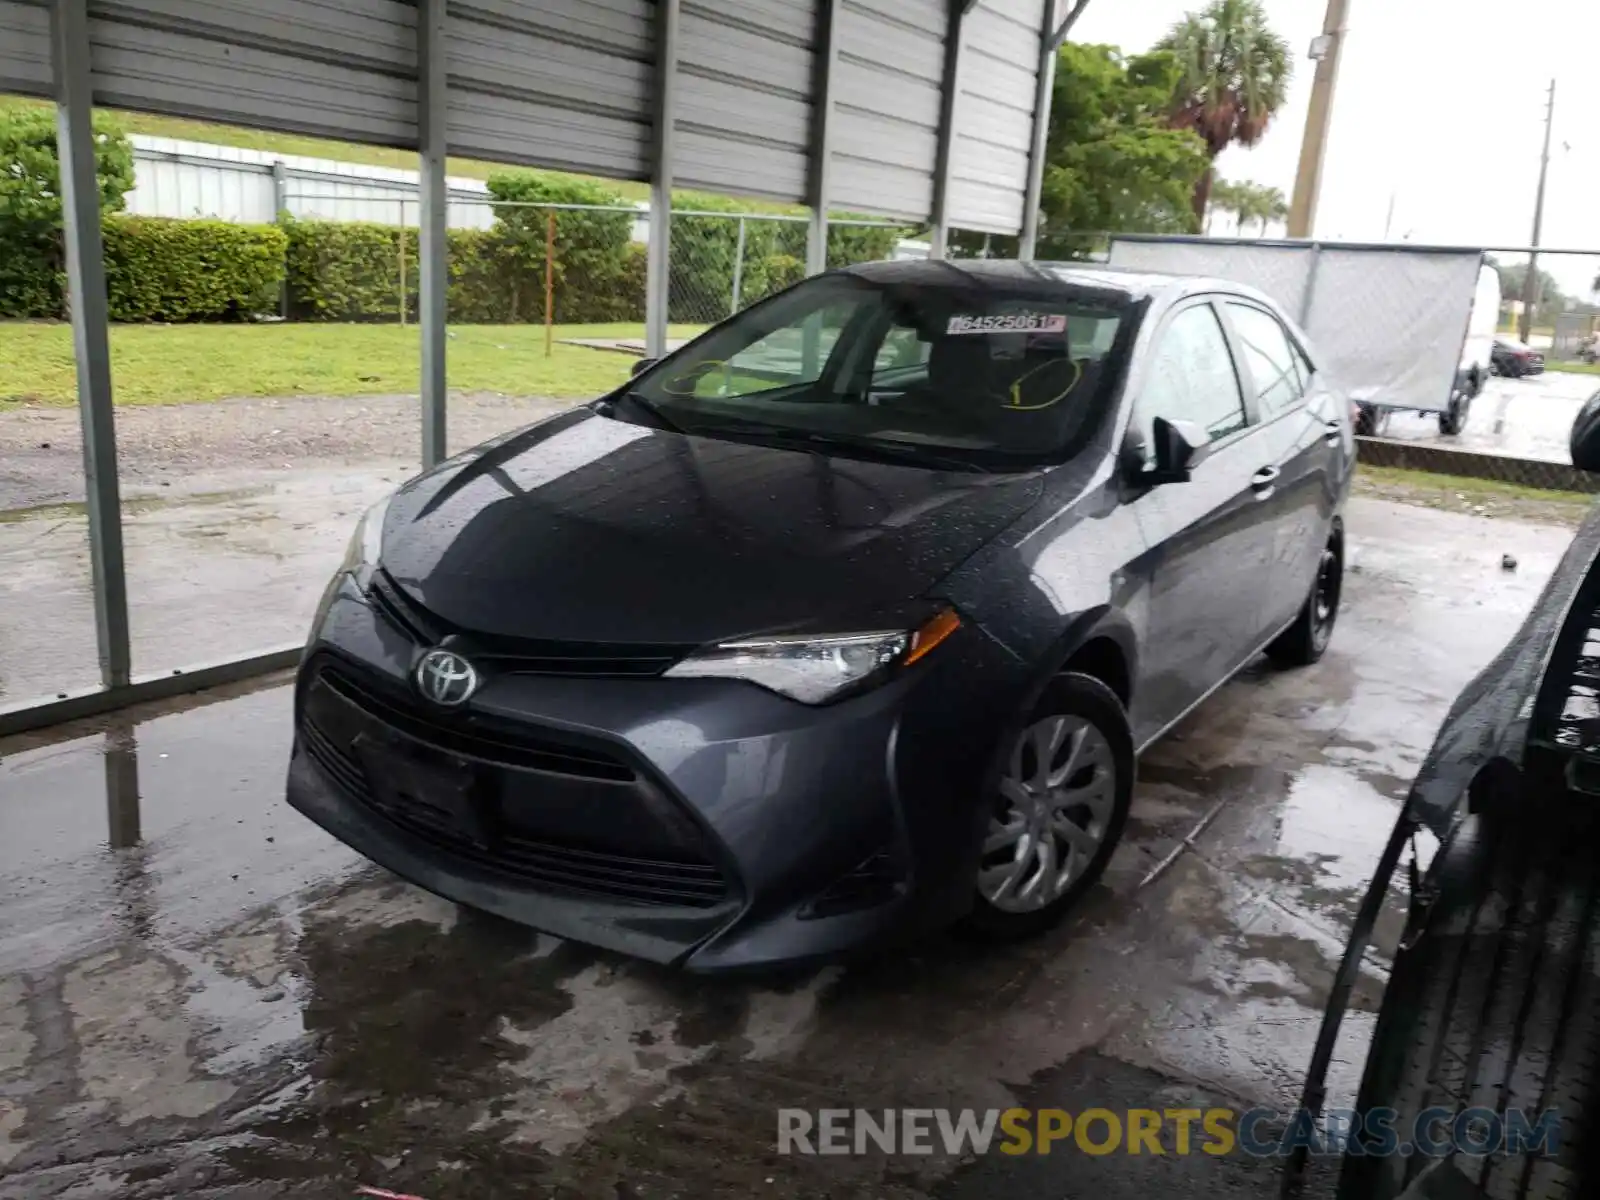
{"x": 482, "y": 740}
{"x": 519, "y": 656}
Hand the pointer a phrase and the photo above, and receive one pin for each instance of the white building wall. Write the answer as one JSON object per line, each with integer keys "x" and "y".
{"x": 174, "y": 178}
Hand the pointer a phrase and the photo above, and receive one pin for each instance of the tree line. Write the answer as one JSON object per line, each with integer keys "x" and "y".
{"x": 1134, "y": 138}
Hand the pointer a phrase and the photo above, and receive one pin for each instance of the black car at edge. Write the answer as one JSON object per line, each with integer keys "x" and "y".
{"x": 845, "y": 621}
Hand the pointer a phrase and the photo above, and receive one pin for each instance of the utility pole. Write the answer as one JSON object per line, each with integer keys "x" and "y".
{"x": 1530, "y": 284}
{"x": 1314, "y": 147}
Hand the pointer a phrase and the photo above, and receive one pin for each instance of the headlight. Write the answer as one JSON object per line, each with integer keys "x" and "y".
{"x": 361, "y": 556}
{"x": 816, "y": 669}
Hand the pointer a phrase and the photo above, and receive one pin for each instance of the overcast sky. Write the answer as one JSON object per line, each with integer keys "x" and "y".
{"x": 1440, "y": 106}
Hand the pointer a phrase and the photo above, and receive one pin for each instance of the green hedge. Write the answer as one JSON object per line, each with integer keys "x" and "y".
{"x": 32, "y": 257}
{"x": 160, "y": 269}
{"x": 163, "y": 269}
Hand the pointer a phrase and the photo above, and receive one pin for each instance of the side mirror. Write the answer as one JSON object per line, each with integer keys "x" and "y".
{"x": 1180, "y": 447}
{"x": 1586, "y": 436}
{"x": 642, "y": 365}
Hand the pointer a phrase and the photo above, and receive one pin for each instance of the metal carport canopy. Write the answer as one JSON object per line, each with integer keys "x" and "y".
{"x": 575, "y": 85}
{"x": 926, "y": 110}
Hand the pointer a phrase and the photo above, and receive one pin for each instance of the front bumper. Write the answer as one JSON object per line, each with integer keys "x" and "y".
{"x": 700, "y": 822}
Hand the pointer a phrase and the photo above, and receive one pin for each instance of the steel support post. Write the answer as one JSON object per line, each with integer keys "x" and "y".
{"x": 433, "y": 271}
{"x": 86, "y": 289}
{"x": 659, "y": 261}
{"x": 944, "y": 154}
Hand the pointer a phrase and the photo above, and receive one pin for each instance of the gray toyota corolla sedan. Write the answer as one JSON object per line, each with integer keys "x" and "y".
{"x": 843, "y": 622}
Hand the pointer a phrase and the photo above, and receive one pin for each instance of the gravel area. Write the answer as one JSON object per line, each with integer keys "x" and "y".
{"x": 179, "y": 445}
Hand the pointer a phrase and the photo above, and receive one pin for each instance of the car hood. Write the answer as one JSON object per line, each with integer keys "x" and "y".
{"x": 588, "y": 529}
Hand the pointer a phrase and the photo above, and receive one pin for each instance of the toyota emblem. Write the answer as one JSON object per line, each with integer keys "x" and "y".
{"x": 446, "y": 678}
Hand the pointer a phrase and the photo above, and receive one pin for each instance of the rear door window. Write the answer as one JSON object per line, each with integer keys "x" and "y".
{"x": 1270, "y": 355}
{"x": 1192, "y": 378}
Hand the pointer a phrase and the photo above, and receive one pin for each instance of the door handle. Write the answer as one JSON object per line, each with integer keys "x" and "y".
{"x": 1334, "y": 433}
{"x": 1264, "y": 481}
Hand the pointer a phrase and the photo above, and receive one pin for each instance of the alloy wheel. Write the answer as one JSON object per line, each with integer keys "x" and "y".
{"x": 1056, "y": 801}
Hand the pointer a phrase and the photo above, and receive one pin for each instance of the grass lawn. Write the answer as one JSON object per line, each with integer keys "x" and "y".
{"x": 1573, "y": 368}
{"x": 162, "y": 364}
{"x": 1479, "y": 497}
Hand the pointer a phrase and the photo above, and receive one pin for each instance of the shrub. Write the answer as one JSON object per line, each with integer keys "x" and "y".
{"x": 161, "y": 269}
{"x": 32, "y": 257}
{"x": 347, "y": 270}
{"x": 592, "y": 248}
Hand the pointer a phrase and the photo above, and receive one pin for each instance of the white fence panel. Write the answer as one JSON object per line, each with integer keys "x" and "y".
{"x": 174, "y": 178}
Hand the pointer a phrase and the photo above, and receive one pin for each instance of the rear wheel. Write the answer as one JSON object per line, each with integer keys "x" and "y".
{"x": 1304, "y": 642}
{"x": 1454, "y": 419}
{"x": 1065, "y": 787}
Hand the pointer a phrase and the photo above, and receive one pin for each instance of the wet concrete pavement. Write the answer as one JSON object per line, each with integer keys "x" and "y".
{"x": 201, "y": 995}
{"x": 223, "y": 560}
{"x": 1520, "y": 418}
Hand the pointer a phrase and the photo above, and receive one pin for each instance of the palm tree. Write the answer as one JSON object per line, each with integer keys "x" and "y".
{"x": 1235, "y": 77}
{"x": 1268, "y": 205}
{"x": 1226, "y": 197}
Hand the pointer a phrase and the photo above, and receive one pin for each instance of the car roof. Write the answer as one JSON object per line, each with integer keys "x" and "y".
{"x": 1004, "y": 273}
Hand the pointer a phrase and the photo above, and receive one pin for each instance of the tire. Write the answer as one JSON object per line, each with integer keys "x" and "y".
{"x": 1495, "y": 1005}
{"x": 1304, "y": 642}
{"x": 1366, "y": 420}
{"x": 1454, "y": 419}
{"x": 1096, "y": 732}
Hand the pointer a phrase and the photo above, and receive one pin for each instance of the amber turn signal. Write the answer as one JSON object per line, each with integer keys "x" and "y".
{"x": 932, "y": 633}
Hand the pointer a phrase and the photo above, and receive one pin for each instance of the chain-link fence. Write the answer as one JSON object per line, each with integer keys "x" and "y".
{"x": 1574, "y": 338}
{"x": 562, "y": 264}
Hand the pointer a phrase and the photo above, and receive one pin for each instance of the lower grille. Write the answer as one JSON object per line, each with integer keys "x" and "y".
{"x": 543, "y": 865}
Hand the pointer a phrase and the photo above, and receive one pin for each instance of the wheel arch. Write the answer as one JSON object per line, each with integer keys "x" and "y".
{"x": 1099, "y": 643}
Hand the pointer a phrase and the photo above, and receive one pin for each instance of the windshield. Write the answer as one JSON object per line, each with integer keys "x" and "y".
{"x": 962, "y": 374}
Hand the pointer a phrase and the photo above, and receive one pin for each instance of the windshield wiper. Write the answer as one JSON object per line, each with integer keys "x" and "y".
{"x": 650, "y": 408}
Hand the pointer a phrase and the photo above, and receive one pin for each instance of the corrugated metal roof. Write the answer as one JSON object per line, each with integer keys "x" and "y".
{"x": 999, "y": 77}
{"x": 24, "y": 48}
{"x": 569, "y": 84}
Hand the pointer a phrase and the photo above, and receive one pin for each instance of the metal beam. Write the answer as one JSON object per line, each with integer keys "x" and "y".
{"x": 659, "y": 261}
{"x": 1043, "y": 93}
{"x": 827, "y": 58}
{"x": 433, "y": 277}
{"x": 944, "y": 155}
{"x": 86, "y": 290}
{"x": 21, "y": 718}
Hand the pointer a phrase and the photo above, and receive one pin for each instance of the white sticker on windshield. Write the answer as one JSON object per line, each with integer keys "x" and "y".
{"x": 1019, "y": 322}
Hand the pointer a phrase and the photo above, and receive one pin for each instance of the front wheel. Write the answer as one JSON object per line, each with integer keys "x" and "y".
{"x": 1304, "y": 642}
{"x": 1065, "y": 787}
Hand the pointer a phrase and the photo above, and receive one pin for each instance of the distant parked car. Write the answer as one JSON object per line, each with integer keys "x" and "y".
{"x": 1514, "y": 359}
{"x": 1477, "y": 352}
{"x": 846, "y": 620}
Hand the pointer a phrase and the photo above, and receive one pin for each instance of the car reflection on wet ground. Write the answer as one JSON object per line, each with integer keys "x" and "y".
{"x": 201, "y": 995}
